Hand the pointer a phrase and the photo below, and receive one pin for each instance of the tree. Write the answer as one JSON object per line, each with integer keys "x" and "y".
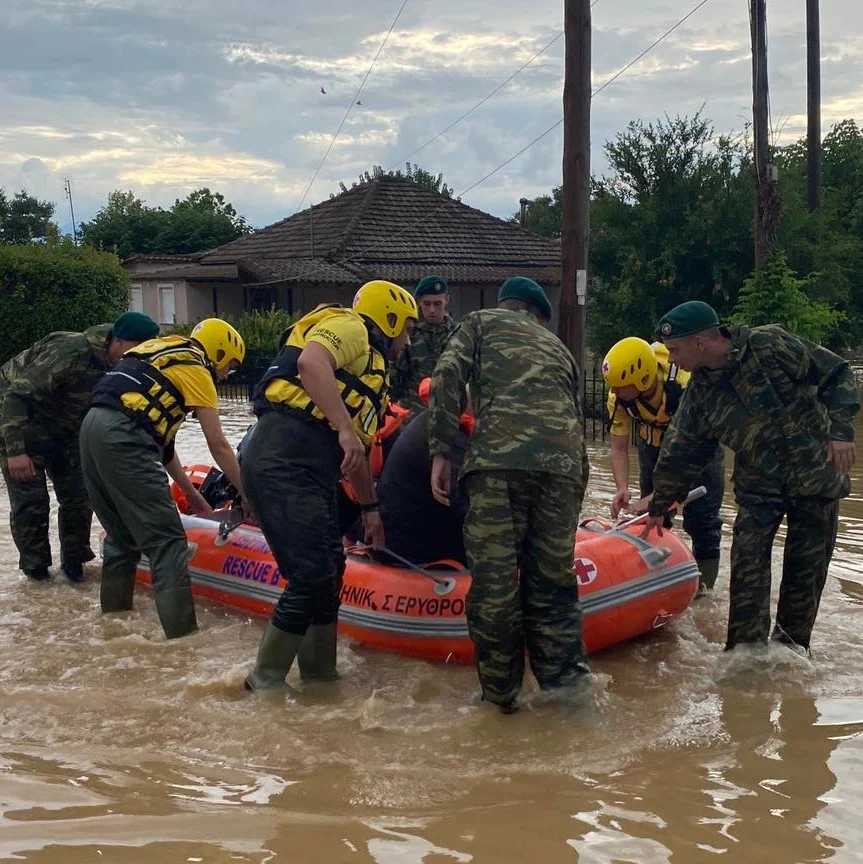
{"x": 828, "y": 244}
{"x": 671, "y": 222}
{"x": 56, "y": 286}
{"x": 774, "y": 295}
{"x": 127, "y": 226}
{"x": 542, "y": 216}
{"x": 25, "y": 219}
{"x": 203, "y": 220}
{"x": 412, "y": 172}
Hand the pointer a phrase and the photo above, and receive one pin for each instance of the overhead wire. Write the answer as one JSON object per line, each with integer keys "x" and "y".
{"x": 494, "y": 171}
{"x": 351, "y": 105}
{"x": 481, "y": 101}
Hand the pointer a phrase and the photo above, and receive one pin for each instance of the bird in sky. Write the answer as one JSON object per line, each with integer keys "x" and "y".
{"x": 323, "y": 91}
{"x": 359, "y": 102}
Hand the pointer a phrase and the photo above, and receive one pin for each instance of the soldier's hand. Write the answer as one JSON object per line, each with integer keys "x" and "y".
{"x": 441, "y": 479}
{"x": 840, "y": 454}
{"x": 620, "y": 502}
{"x": 198, "y": 505}
{"x": 21, "y": 468}
{"x": 354, "y": 452}
{"x": 642, "y": 505}
{"x": 653, "y": 522}
{"x": 373, "y": 529}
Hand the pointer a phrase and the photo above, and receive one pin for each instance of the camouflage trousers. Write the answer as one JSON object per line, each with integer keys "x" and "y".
{"x": 519, "y": 536}
{"x": 811, "y": 535}
{"x": 30, "y": 507}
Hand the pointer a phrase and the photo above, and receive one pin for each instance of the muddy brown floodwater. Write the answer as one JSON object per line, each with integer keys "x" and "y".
{"x": 118, "y": 746}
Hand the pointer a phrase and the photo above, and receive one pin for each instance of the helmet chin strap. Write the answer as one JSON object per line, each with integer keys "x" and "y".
{"x": 377, "y": 339}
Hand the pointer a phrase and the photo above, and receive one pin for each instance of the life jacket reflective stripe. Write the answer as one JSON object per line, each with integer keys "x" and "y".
{"x": 363, "y": 395}
{"x": 161, "y": 408}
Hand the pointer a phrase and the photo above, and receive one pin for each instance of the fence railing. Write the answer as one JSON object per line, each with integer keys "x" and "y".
{"x": 240, "y": 387}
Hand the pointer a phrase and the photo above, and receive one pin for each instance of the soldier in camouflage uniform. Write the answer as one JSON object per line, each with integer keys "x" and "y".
{"x": 786, "y": 407}
{"x": 524, "y": 474}
{"x": 435, "y": 327}
{"x": 45, "y": 393}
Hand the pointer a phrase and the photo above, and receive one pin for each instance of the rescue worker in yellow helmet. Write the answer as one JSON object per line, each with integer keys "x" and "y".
{"x": 645, "y": 389}
{"x": 320, "y": 404}
{"x": 126, "y": 438}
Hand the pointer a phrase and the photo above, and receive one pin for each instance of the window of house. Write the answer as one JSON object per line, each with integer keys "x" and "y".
{"x": 137, "y": 299}
{"x": 166, "y": 304}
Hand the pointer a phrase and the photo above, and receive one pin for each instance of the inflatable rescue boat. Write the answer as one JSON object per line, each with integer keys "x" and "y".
{"x": 628, "y": 586}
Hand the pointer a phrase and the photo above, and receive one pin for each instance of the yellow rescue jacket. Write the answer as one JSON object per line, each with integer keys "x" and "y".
{"x": 364, "y": 395}
{"x": 138, "y": 387}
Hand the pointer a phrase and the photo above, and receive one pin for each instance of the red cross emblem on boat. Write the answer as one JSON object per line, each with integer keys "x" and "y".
{"x": 585, "y": 571}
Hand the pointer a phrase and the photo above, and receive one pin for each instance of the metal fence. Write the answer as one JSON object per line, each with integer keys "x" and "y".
{"x": 240, "y": 386}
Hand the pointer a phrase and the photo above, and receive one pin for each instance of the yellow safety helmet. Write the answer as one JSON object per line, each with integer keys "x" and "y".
{"x": 387, "y": 305}
{"x": 630, "y": 362}
{"x": 220, "y": 341}
{"x": 660, "y": 352}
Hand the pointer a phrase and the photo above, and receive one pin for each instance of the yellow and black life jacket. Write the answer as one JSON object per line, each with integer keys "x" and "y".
{"x": 364, "y": 395}
{"x": 138, "y": 387}
{"x": 651, "y": 421}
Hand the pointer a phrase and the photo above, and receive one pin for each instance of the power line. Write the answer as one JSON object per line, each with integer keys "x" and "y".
{"x": 350, "y": 107}
{"x": 483, "y": 100}
{"x": 500, "y": 167}
{"x": 480, "y": 103}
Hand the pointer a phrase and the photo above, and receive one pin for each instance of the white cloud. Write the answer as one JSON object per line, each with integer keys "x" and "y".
{"x": 163, "y": 96}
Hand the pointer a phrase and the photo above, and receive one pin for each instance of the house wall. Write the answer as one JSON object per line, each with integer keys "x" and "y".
{"x": 200, "y": 305}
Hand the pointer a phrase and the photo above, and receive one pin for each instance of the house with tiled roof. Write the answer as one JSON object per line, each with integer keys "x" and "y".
{"x": 387, "y": 228}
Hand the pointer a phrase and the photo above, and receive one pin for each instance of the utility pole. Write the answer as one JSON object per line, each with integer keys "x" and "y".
{"x": 575, "y": 211}
{"x": 766, "y": 192}
{"x": 813, "y": 93}
{"x": 68, "y": 186}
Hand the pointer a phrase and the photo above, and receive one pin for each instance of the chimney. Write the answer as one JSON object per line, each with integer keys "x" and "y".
{"x": 522, "y": 213}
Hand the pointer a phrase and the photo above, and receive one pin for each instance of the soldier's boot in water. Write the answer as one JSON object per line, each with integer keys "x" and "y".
{"x": 708, "y": 571}
{"x": 317, "y": 653}
{"x": 276, "y": 653}
{"x": 40, "y": 574}
{"x": 176, "y": 610}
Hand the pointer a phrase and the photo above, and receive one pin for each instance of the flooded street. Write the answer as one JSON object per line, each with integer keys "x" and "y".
{"x": 118, "y": 746}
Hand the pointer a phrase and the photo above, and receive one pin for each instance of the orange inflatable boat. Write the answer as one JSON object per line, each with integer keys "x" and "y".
{"x": 628, "y": 587}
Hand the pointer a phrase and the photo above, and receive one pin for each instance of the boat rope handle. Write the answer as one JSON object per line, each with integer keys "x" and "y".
{"x": 444, "y": 584}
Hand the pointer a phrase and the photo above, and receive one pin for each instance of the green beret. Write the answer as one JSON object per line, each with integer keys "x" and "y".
{"x": 528, "y": 291}
{"x": 686, "y": 319}
{"x": 134, "y": 327}
{"x": 431, "y": 285}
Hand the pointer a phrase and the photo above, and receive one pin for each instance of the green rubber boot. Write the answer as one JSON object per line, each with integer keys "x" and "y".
{"x": 176, "y": 609}
{"x": 317, "y": 654}
{"x": 275, "y": 655}
{"x": 709, "y": 569}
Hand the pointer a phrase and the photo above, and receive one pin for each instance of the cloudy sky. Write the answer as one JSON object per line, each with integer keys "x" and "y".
{"x": 164, "y": 96}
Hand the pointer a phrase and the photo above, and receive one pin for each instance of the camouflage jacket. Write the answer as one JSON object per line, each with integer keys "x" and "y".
{"x": 45, "y": 390}
{"x": 523, "y": 383}
{"x": 418, "y": 360}
{"x": 777, "y": 404}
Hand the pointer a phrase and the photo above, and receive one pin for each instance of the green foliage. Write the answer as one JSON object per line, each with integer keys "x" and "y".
{"x": 262, "y": 332}
{"x": 673, "y": 221}
{"x": 412, "y": 172}
{"x": 775, "y": 295}
{"x": 47, "y": 287}
{"x": 25, "y": 219}
{"x": 126, "y": 225}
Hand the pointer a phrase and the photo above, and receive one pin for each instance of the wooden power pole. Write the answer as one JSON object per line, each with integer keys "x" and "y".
{"x": 576, "y": 177}
{"x": 766, "y": 192}
{"x": 813, "y": 92}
